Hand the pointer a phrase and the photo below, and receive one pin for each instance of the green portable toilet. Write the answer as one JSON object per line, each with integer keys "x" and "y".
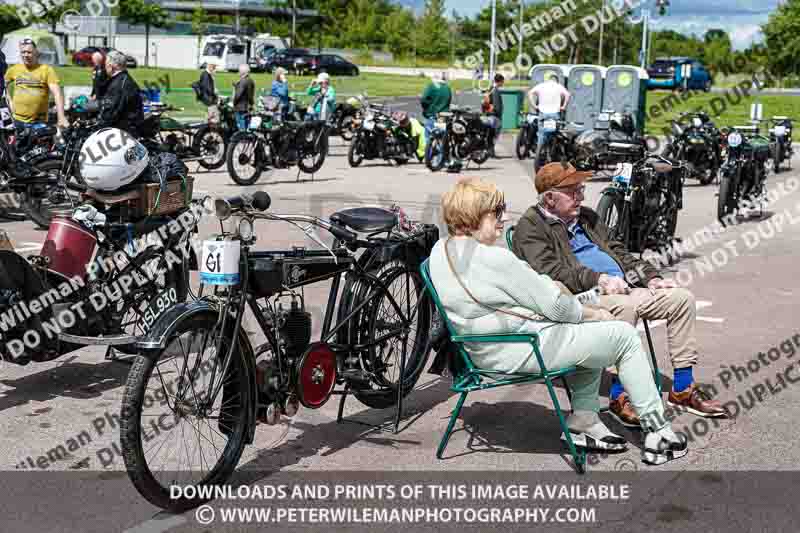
{"x": 626, "y": 91}
{"x": 513, "y": 100}
{"x": 586, "y": 83}
{"x": 538, "y": 73}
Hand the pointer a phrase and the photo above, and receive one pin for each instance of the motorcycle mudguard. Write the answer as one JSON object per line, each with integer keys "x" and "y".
{"x": 158, "y": 335}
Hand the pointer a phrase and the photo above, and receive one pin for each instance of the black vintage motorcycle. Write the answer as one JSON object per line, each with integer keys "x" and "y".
{"x": 611, "y": 142}
{"x": 525, "y": 144}
{"x": 201, "y": 141}
{"x": 641, "y": 206}
{"x": 199, "y": 388}
{"x": 459, "y": 135}
{"x": 380, "y": 136}
{"x": 743, "y": 176}
{"x": 780, "y": 138}
{"x": 270, "y": 142}
{"x": 560, "y": 144}
{"x": 696, "y": 140}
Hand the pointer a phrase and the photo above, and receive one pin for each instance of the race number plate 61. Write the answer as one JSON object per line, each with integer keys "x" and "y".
{"x": 220, "y": 263}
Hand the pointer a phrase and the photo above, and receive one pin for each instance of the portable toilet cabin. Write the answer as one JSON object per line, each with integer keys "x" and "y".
{"x": 626, "y": 91}
{"x": 586, "y": 83}
{"x": 538, "y": 73}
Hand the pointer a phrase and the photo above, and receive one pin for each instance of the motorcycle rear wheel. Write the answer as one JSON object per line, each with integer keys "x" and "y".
{"x": 245, "y": 158}
{"x": 177, "y": 376}
{"x": 38, "y": 208}
{"x": 212, "y": 141}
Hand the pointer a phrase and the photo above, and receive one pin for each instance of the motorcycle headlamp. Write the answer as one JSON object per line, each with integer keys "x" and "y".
{"x": 459, "y": 129}
{"x": 734, "y": 139}
{"x": 677, "y": 129}
{"x": 222, "y": 209}
{"x": 697, "y": 123}
{"x": 245, "y": 229}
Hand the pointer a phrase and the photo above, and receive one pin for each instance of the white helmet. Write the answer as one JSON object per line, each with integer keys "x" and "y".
{"x": 111, "y": 159}
{"x": 323, "y": 76}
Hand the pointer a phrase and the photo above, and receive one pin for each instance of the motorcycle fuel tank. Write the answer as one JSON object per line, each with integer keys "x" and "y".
{"x": 70, "y": 246}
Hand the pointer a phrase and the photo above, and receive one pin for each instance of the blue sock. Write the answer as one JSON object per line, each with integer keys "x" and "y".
{"x": 683, "y": 379}
{"x": 616, "y": 389}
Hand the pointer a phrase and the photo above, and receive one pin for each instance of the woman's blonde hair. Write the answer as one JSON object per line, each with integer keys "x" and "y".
{"x": 465, "y": 205}
{"x": 279, "y": 71}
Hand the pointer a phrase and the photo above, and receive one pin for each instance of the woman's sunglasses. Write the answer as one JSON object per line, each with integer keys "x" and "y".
{"x": 499, "y": 211}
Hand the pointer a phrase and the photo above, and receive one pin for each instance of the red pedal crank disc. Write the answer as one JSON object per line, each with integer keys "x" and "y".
{"x": 316, "y": 375}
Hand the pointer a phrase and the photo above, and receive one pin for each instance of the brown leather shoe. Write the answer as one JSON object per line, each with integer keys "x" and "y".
{"x": 622, "y": 410}
{"x": 696, "y": 401}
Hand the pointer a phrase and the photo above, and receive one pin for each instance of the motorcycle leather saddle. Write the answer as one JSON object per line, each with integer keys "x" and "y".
{"x": 366, "y": 219}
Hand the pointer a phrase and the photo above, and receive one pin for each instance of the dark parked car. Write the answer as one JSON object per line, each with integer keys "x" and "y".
{"x": 292, "y": 59}
{"x": 333, "y": 65}
{"x": 667, "y": 73}
{"x": 260, "y": 61}
{"x": 83, "y": 57}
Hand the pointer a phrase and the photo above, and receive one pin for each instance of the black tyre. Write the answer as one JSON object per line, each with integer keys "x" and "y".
{"x": 481, "y": 157}
{"x": 246, "y": 158}
{"x": 610, "y": 209}
{"x": 669, "y": 151}
{"x": 355, "y": 155}
{"x": 346, "y": 129}
{"x": 312, "y": 163}
{"x": 726, "y": 201}
{"x": 180, "y": 384}
{"x": 776, "y": 157}
{"x": 384, "y": 358}
{"x": 435, "y": 157}
{"x": 43, "y": 202}
{"x": 210, "y": 144}
{"x": 522, "y": 144}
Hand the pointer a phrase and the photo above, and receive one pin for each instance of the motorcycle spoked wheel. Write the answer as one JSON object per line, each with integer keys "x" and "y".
{"x": 610, "y": 210}
{"x": 41, "y": 204}
{"x": 346, "y": 128}
{"x": 356, "y": 153}
{"x": 383, "y": 359}
{"x": 435, "y": 157}
{"x": 187, "y": 428}
{"x": 246, "y": 158}
{"x": 209, "y": 144}
{"x": 521, "y": 147}
{"x": 776, "y": 158}
{"x": 310, "y": 163}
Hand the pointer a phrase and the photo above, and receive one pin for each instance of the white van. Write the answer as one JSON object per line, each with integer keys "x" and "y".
{"x": 227, "y": 51}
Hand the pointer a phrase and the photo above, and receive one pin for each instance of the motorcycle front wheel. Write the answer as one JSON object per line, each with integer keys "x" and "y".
{"x": 209, "y": 143}
{"x": 355, "y": 155}
{"x": 726, "y": 201}
{"x": 776, "y": 158}
{"x": 522, "y": 144}
{"x": 610, "y": 209}
{"x": 245, "y": 158}
{"x": 317, "y": 159}
{"x": 170, "y": 431}
{"x": 434, "y": 155}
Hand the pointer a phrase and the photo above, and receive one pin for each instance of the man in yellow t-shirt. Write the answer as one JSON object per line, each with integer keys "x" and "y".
{"x": 33, "y": 83}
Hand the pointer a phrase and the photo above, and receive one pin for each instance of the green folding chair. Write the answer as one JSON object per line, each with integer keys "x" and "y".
{"x": 474, "y": 379}
{"x": 656, "y": 372}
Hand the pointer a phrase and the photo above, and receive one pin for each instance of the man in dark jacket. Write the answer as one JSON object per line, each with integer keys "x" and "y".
{"x": 3, "y": 69}
{"x": 568, "y": 242}
{"x": 244, "y": 96}
{"x": 208, "y": 93}
{"x": 122, "y": 106}
{"x": 496, "y": 113}
{"x": 100, "y": 77}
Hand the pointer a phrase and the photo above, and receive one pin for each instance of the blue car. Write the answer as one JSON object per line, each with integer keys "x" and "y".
{"x": 667, "y": 73}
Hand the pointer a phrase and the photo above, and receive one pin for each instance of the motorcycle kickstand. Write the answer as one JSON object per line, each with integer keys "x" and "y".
{"x": 112, "y": 356}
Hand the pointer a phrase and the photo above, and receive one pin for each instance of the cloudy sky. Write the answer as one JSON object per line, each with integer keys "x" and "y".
{"x": 740, "y": 18}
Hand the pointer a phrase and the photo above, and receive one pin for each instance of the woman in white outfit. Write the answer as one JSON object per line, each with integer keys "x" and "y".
{"x": 486, "y": 289}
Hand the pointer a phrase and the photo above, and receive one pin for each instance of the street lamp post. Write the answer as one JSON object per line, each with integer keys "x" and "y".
{"x": 602, "y": 27}
{"x": 521, "y": 9}
{"x": 492, "y": 50}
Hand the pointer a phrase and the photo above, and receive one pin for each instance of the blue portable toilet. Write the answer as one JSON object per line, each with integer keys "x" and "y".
{"x": 625, "y": 90}
{"x": 538, "y": 73}
{"x": 586, "y": 84}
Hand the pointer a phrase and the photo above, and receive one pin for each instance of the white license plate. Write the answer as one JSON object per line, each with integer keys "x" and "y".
{"x": 531, "y": 119}
{"x": 549, "y": 125}
{"x": 441, "y": 125}
{"x": 780, "y": 131}
{"x": 369, "y": 125}
{"x": 159, "y": 304}
{"x": 603, "y": 117}
{"x": 255, "y": 123}
{"x": 220, "y": 263}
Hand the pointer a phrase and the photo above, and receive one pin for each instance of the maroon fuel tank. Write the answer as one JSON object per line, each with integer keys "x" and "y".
{"x": 70, "y": 246}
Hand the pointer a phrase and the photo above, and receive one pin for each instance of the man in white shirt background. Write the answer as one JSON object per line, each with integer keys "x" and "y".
{"x": 549, "y": 98}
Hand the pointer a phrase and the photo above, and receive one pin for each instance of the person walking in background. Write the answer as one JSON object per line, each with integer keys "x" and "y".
{"x": 207, "y": 93}
{"x": 100, "y": 77}
{"x": 121, "y": 106}
{"x": 493, "y": 106}
{"x": 325, "y": 97}
{"x": 244, "y": 96}
{"x": 280, "y": 90}
{"x": 436, "y": 99}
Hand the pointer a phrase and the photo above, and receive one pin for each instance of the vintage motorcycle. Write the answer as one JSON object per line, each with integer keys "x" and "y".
{"x": 380, "y": 136}
{"x": 612, "y": 141}
{"x": 527, "y": 136}
{"x": 640, "y": 207}
{"x": 103, "y": 276}
{"x": 780, "y": 138}
{"x": 201, "y": 141}
{"x": 374, "y": 342}
{"x": 459, "y": 135}
{"x": 270, "y": 142}
{"x": 743, "y": 176}
{"x": 560, "y": 145}
{"x": 698, "y": 144}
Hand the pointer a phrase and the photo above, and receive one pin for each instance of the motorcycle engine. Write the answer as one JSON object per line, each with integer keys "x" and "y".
{"x": 294, "y": 329}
